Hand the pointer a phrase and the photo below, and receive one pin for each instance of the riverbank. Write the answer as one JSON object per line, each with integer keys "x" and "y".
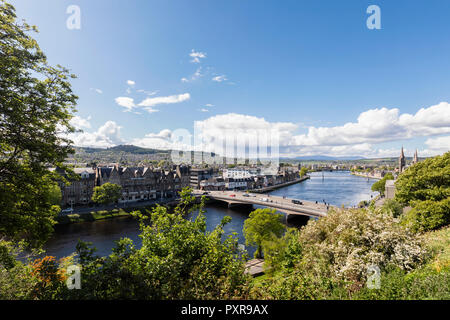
{"x": 365, "y": 175}
{"x": 106, "y": 214}
{"x": 281, "y": 185}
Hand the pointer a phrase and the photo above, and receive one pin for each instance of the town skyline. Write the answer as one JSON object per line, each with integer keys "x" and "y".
{"x": 319, "y": 78}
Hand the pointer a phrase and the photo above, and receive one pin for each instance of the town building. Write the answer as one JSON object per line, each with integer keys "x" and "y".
{"x": 138, "y": 183}
{"x": 240, "y": 173}
{"x": 76, "y": 191}
{"x": 389, "y": 190}
{"x": 199, "y": 174}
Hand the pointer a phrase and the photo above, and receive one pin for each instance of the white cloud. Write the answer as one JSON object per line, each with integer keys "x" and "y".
{"x": 150, "y": 102}
{"x": 149, "y": 93}
{"x": 151, "y": 110}
{"x": 358, "y": 138}
{"x": 204, "y": 110}
{"x": 380, "y": 125}
{"x": 208, "y": 105}
{"x": 131, "y": 82}
{"x": 162, "y": 140}
{"x": 437, "y": 145}
{"x": 196, "y": 56}
{"x": 127, "y": 103}
{"x": 97, "y": 90}
{"x": 197, "y": 74}
{"x": 80, "y": 123}
{"x": 107, "y": 135}
{"x": 220, "y": 78}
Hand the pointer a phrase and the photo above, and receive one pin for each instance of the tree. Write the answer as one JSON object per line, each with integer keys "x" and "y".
{"x": 107, "y": 193}
{"x": 36, "y": 102}
{"x": 425, "y": 187}
{"x": 303, "y": 172}
{"x": 262, "y": 225}
{"x": 179, "y": 259}
{"x": 380, "y": 185}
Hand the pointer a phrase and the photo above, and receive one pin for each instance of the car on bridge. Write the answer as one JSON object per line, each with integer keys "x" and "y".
{"x": 245, "y": 195}
{"x": 233, "y": 195}
{"x": 68, "y": 210}
{"x": 296, "y": 201}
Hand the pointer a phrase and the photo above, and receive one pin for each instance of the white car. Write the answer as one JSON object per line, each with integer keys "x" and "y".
{"x": 264, "y": 199}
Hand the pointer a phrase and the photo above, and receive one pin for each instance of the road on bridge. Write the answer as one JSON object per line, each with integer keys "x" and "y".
{"x": 286, "y": 205}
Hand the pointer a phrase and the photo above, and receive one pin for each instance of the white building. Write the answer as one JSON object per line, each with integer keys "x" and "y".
{"x": 238, "y": 173}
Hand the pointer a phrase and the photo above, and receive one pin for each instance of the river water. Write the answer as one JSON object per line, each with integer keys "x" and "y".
{"x": 336, "y": 188}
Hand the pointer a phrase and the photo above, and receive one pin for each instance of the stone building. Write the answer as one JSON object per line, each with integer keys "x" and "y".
{"x": 138, "y": 183}
{"x": 199, "y": 174}
{"x": 77, "y": 191}
{"x": 144, "y": 183}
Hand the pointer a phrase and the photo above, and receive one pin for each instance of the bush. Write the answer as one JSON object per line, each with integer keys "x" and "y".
{"x": 428, "y": 215}
{"x": 329, "y": 258}
{"x": 392, "y": 207}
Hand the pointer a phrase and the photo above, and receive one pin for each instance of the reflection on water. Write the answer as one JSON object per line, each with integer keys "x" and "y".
{"x": 336, "y": 188}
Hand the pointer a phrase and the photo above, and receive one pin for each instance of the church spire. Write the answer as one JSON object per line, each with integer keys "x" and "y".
{"x": 401, "y": 162}
{"x": 416, "y": 157}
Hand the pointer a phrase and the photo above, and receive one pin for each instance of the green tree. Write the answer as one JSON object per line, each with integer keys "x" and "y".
{"x": 262, "y": 225}
{"x": 36, "y": 102}
{"x": 107, "y": 193}
{"x": 303, "y": 172}
{"x": 380, "y": 185}
{"x": 178, "y": 259}
{"x": 425, "y": 187}
{"x": 54, "y": 194}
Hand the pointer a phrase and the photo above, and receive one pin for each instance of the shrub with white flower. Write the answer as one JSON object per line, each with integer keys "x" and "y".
{"x": 346, "y": 242}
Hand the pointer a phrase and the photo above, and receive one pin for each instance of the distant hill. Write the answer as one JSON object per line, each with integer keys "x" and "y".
{"x": 327, "y": 158}
{"x": 122, "y": 148}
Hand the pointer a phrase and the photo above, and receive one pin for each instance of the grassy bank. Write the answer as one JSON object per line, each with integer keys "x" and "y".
{"x": 93, "y": 216}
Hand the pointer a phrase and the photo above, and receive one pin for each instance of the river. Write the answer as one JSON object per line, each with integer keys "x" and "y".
{"x": 336, "y": 188}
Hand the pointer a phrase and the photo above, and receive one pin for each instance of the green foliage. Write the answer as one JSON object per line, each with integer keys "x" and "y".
{"x": 421, "y": 284}
{"x": 107, "y": 193}
{"x": 426, "y": 180}
{"x": 426, "y": 188}
{"x": 36, "y": 102}
{"x": 179, "y": 259}
{"x": 282, "y": 253}
{"x": 428, "y": 215}
{"x": 380, "y": 185}
{"x": 54, "y": 194}
{"x": 16, "y": 280}
{"x": 329, "y": 258}
{"x": 303, "y": 171}
{"x": 262, "y": 225}
{"x": 392, "y": 207}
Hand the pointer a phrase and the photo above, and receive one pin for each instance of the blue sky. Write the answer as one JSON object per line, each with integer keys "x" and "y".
{"x": 302, "y": 68}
